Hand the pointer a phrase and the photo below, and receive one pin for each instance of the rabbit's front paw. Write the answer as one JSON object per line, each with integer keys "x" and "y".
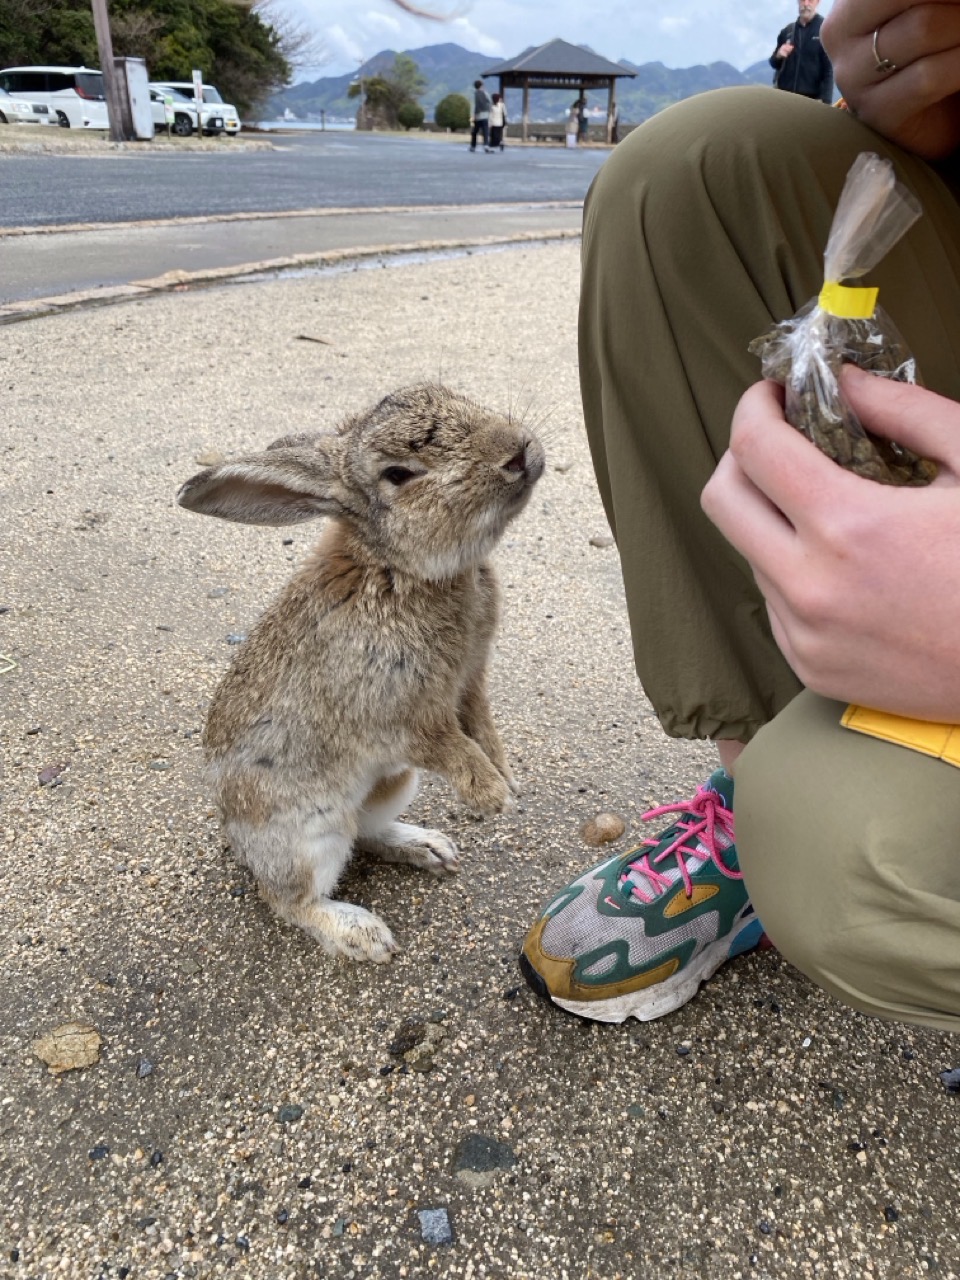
{"x": 490, "y": 796}
{"x": 512, "y": 783}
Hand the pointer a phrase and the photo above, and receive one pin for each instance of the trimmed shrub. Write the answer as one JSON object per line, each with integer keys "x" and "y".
{"x": 453, "y": 112}
{"x": 410, "y": 115}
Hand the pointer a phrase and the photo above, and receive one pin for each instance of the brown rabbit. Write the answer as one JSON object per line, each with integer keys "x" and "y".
{"x": 372, "y": 662}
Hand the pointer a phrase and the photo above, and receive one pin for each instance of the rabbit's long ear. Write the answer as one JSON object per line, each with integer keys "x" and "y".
{"x": 281, "y": 486}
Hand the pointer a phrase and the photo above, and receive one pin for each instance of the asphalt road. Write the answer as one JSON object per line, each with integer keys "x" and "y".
{"x": 317, "y": 170}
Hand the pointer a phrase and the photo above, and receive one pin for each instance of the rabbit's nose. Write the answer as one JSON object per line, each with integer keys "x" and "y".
{"x": 518, "y": 462}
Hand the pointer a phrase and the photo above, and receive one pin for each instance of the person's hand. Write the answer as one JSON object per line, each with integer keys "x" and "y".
{"x": 918, "y": 104}
{"x": 861, "y": 580}
{"x": 785, "y": 50}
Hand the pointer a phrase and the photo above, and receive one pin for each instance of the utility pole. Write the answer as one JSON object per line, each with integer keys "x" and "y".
{"x": 101, "y": 22}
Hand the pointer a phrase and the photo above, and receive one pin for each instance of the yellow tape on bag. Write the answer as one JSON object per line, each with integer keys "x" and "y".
{"x": 847, "y": 302}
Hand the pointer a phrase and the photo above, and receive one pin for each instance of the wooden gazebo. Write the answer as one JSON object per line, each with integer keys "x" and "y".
{"x": 559, "y": 65}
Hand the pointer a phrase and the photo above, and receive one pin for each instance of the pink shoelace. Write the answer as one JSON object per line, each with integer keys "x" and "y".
{"x": 711, "y": 815}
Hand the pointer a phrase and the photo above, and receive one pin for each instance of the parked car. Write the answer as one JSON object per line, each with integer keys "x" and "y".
{"x": 19, "y": 111}
{"x": 184, "y": 121}
{"x": 73, "y": 95}
{"x": 231, "y": 117}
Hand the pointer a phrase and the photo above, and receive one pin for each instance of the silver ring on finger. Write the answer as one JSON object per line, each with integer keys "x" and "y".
{"x": 884, "y": 65}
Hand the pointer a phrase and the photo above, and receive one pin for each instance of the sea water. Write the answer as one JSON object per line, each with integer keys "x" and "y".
{"x": 307, "y": 125}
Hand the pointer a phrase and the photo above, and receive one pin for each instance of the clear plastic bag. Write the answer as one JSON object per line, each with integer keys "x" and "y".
{"x": 845, "y": 325}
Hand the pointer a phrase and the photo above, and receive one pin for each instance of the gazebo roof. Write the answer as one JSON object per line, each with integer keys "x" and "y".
{"x": 558, "y": 59}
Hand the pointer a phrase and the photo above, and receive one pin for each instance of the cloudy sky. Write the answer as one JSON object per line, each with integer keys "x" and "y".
{"x": 679, "y": 33}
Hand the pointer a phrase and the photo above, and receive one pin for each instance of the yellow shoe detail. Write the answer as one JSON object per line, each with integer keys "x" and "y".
{"x": 558, "y": 974}
{"x": 680, "y": 902}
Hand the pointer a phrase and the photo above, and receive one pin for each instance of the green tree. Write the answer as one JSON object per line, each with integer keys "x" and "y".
{"x": 234, "y": 47}
{"x": 407, "y": 77}
{"x": 411, "y": 115}
{"x": 386, "y": 92}
{"x": 453, "y": 112}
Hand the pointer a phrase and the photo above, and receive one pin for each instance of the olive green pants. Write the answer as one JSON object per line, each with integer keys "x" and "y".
{"x": 706, "y": 226}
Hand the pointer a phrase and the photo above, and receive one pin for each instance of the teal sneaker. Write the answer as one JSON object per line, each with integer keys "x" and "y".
{"x": 636, "y": 935}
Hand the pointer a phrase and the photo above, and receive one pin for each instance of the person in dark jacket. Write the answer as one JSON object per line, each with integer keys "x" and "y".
{"x": 800, "y": 62}
{"x": 480, "y": 120}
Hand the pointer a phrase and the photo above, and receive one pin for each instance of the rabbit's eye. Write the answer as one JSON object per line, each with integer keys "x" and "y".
{"x": 397, "y": 475}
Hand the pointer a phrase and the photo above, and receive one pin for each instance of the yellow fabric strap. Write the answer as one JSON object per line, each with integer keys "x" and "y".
{"x": 926, "y": 736}
{"x": 848, "y": 303}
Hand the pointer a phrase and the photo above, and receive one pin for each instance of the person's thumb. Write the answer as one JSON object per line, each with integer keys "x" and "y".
{"x": 925, "y": 422}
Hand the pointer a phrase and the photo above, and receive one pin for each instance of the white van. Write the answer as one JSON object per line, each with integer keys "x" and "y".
{"x": 73, "y": 94}
{"x": 231, "y": 117}
{"x": 183, "y": 112}
{"x": 19, "y": 111}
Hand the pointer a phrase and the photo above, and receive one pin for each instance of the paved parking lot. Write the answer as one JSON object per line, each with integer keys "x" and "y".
{"x": 303, "y": 171}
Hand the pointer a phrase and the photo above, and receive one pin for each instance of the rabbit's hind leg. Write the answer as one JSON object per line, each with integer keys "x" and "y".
{"x": 379, "y": 832}
{"x": 297, "y": 864}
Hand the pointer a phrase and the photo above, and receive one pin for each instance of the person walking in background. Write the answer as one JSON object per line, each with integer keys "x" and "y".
{"x": 480, "y": 120}
{"x": 498, "y": 122}
{"x": 571, "y": 127}
{"x": 800, "y": 62}
{"x": 583, "y": 120}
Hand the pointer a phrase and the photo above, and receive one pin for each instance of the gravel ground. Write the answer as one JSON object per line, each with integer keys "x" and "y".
{"x": 47, "y": 139}
{"x": 251, "y": 1113}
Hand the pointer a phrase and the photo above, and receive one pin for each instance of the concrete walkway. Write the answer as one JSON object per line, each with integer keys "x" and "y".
{"x": 47, "y": 268}
{"x": 247, "y": 1111}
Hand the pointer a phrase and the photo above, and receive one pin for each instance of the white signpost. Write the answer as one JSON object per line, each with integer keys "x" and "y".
{"x": 198, "y": 98}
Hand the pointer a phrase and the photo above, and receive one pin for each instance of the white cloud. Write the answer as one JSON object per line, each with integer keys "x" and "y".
{"x": 385, "y": 22}
{"x": 342, "y": 47}
{"x": 471, "y": 37}
{"x": 674, "y": 26}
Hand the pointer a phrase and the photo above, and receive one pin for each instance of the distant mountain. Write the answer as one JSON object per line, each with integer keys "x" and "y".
{"x": 759, "y": 73}
{"x": 657, "y": 86}
{"x": 449, "y": 68}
